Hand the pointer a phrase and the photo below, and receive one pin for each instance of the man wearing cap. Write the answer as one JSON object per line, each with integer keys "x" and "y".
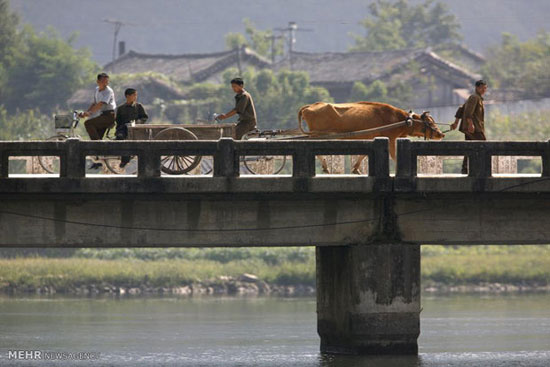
{"x": 473, "y": 118}
{"x": 244, "y": 107}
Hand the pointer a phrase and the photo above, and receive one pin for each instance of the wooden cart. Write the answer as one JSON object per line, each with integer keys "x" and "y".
{"x": 174, "y": 164}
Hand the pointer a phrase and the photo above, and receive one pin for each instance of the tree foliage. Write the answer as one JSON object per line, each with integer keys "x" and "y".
{"x": 277, "y": 96}
{"x": 523, "y": 66}
{"x": 44, "y": 71}
{"x": 257, "y": 40}
{"x": 25, "y": 125}
{"x": 8, "y": 31}
{"x": 397, "y": 94}
{"x": 398, "y": 24}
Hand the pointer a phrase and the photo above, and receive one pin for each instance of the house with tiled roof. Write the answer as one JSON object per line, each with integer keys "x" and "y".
{"x": 434, "y": 80}
{"x": 188, "y": 68}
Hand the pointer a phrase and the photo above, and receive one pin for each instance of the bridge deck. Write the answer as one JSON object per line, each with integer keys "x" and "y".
{"x": 304, "y": 208}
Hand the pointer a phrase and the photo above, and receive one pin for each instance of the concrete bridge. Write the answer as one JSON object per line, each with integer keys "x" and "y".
{"x": 367, "y": 229}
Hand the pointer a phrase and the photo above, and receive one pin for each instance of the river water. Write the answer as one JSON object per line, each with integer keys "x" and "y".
{"x": 458, "y": 330}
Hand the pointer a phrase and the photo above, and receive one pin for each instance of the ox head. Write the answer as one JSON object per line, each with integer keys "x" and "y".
{"x": 424, "y": 126}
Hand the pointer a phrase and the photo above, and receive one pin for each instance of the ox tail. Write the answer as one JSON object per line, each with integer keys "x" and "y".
{"x": 300, "y": 121}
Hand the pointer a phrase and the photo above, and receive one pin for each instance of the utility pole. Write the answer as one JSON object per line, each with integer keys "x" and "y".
{"x": 118, "y": 25}
{"x": 273, "y": 38}
{"x": 291, "y": 30}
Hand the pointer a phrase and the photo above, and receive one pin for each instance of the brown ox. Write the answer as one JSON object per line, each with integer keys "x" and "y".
{"x": 322, "y": 118}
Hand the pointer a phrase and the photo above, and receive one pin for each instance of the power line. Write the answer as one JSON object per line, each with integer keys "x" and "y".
{"x": 243, "y": 229}
{"x": 208, "y": 230}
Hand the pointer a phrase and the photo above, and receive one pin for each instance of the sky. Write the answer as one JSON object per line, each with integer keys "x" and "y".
{"x": 197, "y": 26}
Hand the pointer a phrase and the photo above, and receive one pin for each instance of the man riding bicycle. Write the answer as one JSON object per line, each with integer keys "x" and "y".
{"x": 101, "y": 111}
{"x": 244, "y": 107}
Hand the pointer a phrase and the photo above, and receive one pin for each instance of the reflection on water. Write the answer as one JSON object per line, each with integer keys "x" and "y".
{"x": 456, "y": 331}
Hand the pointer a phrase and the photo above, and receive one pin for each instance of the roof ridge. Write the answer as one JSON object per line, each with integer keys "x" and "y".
{"x": 246, "y": 51}
{"x": 450, "y": 64}
{"x": 401, "y": 50}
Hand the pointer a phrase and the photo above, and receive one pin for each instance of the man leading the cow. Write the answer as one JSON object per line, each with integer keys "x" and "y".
{"x": 473, "y": 118}
{"x": 244, "y": 107}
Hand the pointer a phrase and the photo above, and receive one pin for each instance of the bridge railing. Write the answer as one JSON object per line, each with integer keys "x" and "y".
{"x": 226, "y": 154}
{"x": 305, "y": 152}
{"x": 479, "y": 154}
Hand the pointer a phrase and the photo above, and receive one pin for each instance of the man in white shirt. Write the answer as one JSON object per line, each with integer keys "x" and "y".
{"x": 102, "y": 110}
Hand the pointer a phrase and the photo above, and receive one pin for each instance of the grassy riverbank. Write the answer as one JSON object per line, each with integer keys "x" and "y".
{"x": 274, "y": 268}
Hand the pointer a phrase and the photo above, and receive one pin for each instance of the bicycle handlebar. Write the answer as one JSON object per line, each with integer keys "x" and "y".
{"x": 76, "y": 118}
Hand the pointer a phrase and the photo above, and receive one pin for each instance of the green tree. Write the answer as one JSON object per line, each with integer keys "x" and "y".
{"x": 8, "y": 30}
{"x": 45, "y": 70}
{"x": 277, "y": 96}
{"x": 25, "y": 125}
{"x": 393, "y": 25}
{"x": 257, "y": 40}
{"x": 519, "y": 65}
{"x": 8, "y": 40}
{"x": 398, "y": 94}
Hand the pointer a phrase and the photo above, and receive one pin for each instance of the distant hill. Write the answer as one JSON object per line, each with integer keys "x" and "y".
{"x": 178, "y": 26}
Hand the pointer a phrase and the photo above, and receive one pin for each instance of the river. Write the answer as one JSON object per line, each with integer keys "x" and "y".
{"x": 457, "y": 330}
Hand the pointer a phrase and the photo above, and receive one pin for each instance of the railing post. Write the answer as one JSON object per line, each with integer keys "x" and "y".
{"x": 379, "y": 165}
{"x": 73, "y": 163}
{"x": 4, "y": 164}
{"x": 303, "y": 161}
{"x": 406, "y": 160}
{"x": 479, "y": 162}
{"x": 545, "y": 158}
{"x": 148, "y": 163}
{"x": 226, "y": 162}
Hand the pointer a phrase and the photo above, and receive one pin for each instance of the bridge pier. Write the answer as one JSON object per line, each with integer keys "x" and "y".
{"x": 368, "y": 298}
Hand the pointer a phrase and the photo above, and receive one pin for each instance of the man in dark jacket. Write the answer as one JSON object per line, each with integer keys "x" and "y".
{"x": 244, "y": 107}
{"x": 131, "y": 111}
{"x": 473, "y": 118}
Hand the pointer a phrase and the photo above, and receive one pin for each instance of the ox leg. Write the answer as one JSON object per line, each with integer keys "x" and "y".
{"x": 392, "y": 148}
{"x": 368, "y": 298}
{"x": 324, "y": 164}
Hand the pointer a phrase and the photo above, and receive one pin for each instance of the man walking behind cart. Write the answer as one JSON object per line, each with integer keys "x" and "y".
{"x": 473, "y": 118}
{"x": 129, "y": 112}
{"x": 244, "y": 106}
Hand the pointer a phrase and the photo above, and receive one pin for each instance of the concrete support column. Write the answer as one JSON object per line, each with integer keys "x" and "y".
{"x": 368, "y": 298}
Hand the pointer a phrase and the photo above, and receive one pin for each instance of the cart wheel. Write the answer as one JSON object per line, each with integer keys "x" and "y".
{"x": 255, "y": 165}
{"x": 177, "y": 164}
{"x": 50, "y": 164}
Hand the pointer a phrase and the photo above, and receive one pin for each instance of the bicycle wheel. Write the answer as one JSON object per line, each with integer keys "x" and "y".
{"x": 262, "y": 164}
{"x": 50, "y": 164}
{"x": 177, "y": 164}
{"x": 113, "y": 165}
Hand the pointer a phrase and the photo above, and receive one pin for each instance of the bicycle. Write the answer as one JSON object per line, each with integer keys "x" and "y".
{"x": 65, "y": 126}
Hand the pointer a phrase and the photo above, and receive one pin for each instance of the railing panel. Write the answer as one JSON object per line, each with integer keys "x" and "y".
{"x": 480, "y": 154}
